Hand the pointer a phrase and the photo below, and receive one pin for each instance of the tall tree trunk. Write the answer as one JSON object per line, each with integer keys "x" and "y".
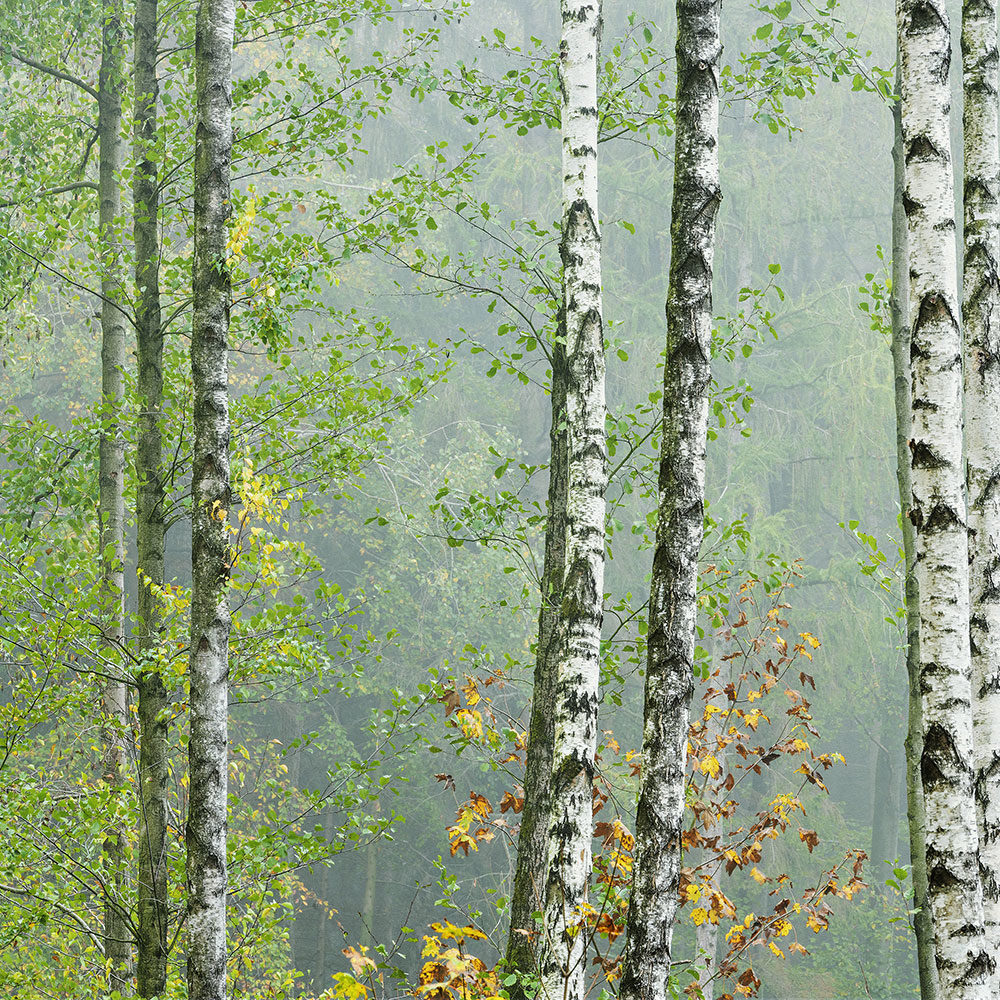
{"x": 563, "y": 948}
{"x": 111, "y": 477}
{"x": 533, "y": 837}
{"x": 210, "y": 618}
{"x": 916, "y": 819}
{"x": 673, "y": 596}
{"x": 326, "y": 907}
{"x": 151, "y": 869}
{"x": 981, "y": 317}
{"x": 885, "y": 798}
{"x": 938, "y": 513}
{"x": 368, "y": 905}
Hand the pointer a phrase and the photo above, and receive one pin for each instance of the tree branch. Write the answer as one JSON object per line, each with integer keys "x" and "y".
{"x": 51, "y": 71}
{"x": 62, "y": 189}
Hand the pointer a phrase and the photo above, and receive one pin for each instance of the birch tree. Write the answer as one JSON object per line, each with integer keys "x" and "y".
{"x": 151, "y": 873}
{"x": 673, "y": 604}
{"x": 563, "y": 949}
{"x": 938, "y": 512}
{"x": 111, "y": 475}
{"x": 210, "y": 617}
{"x": 532, "y": 841}
{"x": 900, "y": 347}
{"x": 981, "y": 318}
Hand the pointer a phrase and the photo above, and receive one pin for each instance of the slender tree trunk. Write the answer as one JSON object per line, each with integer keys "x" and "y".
{"x": 368, "y": 906}
{"x": 938, "y": 512}
{"x": 533, "y": 838}
{"x": 916, "y": 819}
{"x": 563, "y": 948}
{"x": 151, "y": 869}
{"x": 210, "y": 619}
{"x": 673, "y": 596}
{"x": 981, "y": 317}
{"x": 706, "y": 934}
{"x": 885, "y": 803}
{"x": 111, "y": 476}
{"x": 324, "y": 931}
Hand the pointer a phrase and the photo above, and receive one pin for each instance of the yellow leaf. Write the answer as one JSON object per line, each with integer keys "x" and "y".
{"x": 710, "y": 766}
{"x": 758, "y": 876}
{"x": 699, "y": 916}
{"x": 348, "y": 988}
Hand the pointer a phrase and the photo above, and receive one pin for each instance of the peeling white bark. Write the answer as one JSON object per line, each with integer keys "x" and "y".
{"x": 673, "y": 602}
{"x": 563, "y": 948}
{"x": 527, "y": 896}
{"x": 981, "y": 318}
{"x": 916, "y": 822}
{"x": 210, "y": 618}
{"x": 939, "y": 513}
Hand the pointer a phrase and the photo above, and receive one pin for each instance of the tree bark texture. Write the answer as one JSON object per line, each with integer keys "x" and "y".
{"x": 151, "y": 865}
{"x": 673, "y": 596}
{"x": 111, "y": 477}
{"x": 981, "y": 320}
{"x": 938, "y": 512}
{"x": 210, "y": 618}
{"x": 916, "y": 820}
{"x": 563, "y": 949}
{"x": 533, "y": 837}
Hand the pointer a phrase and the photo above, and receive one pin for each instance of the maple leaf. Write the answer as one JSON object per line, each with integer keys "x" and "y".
{"x": 451, "y": 700}
{"x": 511, "y": 801}
{"x": 471, "y": 691}
{"x": 710, "y": 765}
{"x": 361, "y": 964}
{"x": 449, "y": 781}
{"x": 809, "y": 838}
{"x": 480, "y": 804}
{"x": 348, "y": 988}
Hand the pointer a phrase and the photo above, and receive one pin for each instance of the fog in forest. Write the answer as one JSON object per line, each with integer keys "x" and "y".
{"x": 394, "y": 247}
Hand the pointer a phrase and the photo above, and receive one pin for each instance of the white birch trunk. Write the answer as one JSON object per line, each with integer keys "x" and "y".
{"x": 111, "y": 475}
{"x": 563, "y": 948}
{"x": 527, "y": 895}
{"x": 916, "y": 822}
{"x": 939, "y": 513}
{"x": 673, "y": 603}
{"x": 981, "y": 317}
{"x": 210, "y": 619}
